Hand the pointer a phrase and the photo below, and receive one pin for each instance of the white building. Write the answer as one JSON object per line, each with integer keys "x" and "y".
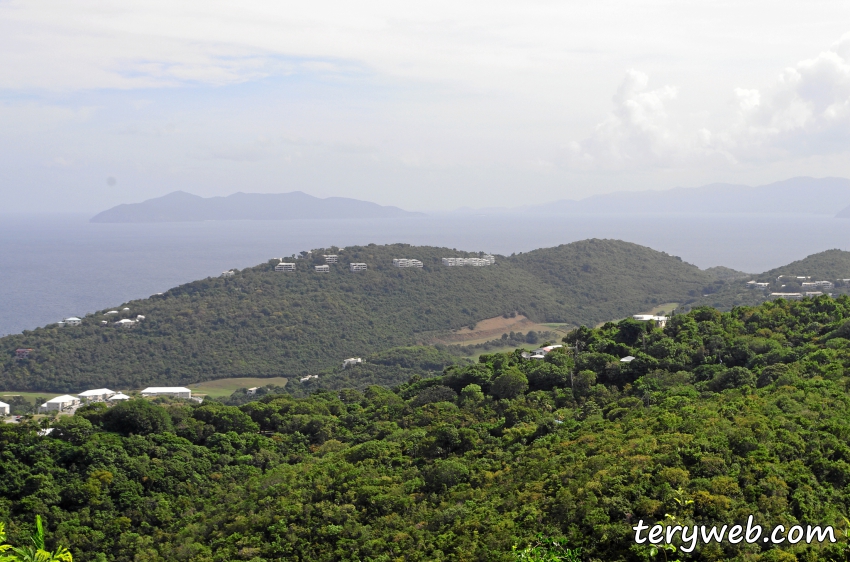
{"x": 228, "y": 273}
{"x": 323, "y": 268}
{"x": 5, "y": 409}
{"x": 491, "y": 259}
{"x": 460, "y": 262}
{"x": 252, "y": 391}
{"x": 139, "y": 318}
{"x": 59, "y": 404}
{"x": 283, "y": 266}
{"x": 308, "y": 377}
{"x": 817, "y": 285}
{"x": 331, "y": 258}
{"x": 125, "y": 323}
{"x": 627, "y": 359}
{"x": 660, "y": 321}
{"x": 118, "y": 397}
{"x": 110, "y": 312}
{"x": 756, "y": 285}
{"x": 357, "y": 266}
{"x": 789, "y": 296}
{"x": 351, "y": 361}
{"x": 96, "y": 395}
{"x": 813, "y": 293}
{"x": 404, "y": 262}
{"x": 72, "y": 321}
{"x": 176, "y": 391}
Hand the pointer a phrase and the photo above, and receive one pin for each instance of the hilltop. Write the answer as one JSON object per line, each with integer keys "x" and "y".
{"x": 180, "y": 206}
{"x": 259, "y": 322}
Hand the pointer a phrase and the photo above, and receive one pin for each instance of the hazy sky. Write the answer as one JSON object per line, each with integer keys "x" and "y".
{"x": 425, "y": 105}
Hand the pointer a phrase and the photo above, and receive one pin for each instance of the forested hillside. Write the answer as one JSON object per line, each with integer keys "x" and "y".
{"x": 259, "y": 322}
{"x": 721, "y": 415}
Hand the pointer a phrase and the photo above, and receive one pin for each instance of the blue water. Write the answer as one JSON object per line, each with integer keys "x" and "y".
{"x": 53, "y": 266}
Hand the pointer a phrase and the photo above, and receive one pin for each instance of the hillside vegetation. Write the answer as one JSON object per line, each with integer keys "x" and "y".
{"x": 262, "y": 323}
{"x": 721, "y": 415}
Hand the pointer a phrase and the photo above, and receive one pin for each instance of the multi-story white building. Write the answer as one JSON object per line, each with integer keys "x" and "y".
{"x": 474, "y": 262}
{"x": 331, "y": 258}
{"x": 283, "y": 266}
{"x": 817, "y": 285}
{"x": 72, "y": 321}
{"x": 59, "y": 404}
{"x": 789, "y": 296}
{"x": 323, "y": 268}
{"x": 176, "y": 391}
{"x": 96, "y": 395}
{"x": 5, "y": 409}
{"x": 357, "y": 266}
{"x": 352, "y": 361}
{"x": 404, "y": 262}
{"x": 490, "y": 258}
{"x": 228, "y": 273}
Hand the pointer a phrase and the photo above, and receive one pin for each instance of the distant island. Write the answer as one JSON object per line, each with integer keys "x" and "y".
{"x": 180, "y": 206}
{"x": 794, "y": 196}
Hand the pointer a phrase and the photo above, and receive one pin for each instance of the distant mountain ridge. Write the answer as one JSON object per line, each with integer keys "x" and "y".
{"x": 180, "y": 206}
{"x": 800, "y": 195}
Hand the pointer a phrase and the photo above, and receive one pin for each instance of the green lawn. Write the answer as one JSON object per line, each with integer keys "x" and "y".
{"x": 31, "y": 396}
{"x": 222, "y": 388}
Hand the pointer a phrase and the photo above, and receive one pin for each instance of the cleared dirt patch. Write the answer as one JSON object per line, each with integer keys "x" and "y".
{"x": 489, "y": 329}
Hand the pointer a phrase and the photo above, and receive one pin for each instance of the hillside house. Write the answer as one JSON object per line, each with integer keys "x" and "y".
{"x": 460, "y": 262}
{"x": 139, "y": 318}
{"x": 757, "y": 285}
{"x": 118, "y": 397}
{"x": 59, "y": 404}
{"x": 283, "y": 266}
{"x": 72, "y": 321}
{"x": 125, "y": 309}
{"x": 110, "y": 312}
{"x": 124, "y": 323}
{"x": 228, "y": 273}
{"x": 5, "y": 409}
{"x": 322, "y": 269}
{"x": 813, "y": 293}
{"x": 96, "y": 395}
{"x": 176, "y": 391}
{"x": 252, "y": 391}
{"x": 627, "y": 359}
{"x": 357, "y": 266}
{"x": 404, "y": 262}
{"x": 351, "y": 362}
{"x": 308, "y": 377}
{"x": 788, "y": 296}
{"x": 331, "y": 258}
{"x": 660, "y": 321}
{"x": 23, "y": 353}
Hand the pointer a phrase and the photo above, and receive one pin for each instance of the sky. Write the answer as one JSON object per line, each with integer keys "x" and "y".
{"x": 424, "y": 105}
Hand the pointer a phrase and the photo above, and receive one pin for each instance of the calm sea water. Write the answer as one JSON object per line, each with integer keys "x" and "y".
{"x": 53, "y": 266}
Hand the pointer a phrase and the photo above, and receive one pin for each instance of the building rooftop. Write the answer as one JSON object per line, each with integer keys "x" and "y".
{"x": 96, "y": 392}
{"x": 62, "y": 399}
{"x": 166, "y": 389}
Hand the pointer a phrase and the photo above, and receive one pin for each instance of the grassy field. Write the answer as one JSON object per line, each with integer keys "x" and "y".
{"x": 222, "y": 388}
{"x": 31, "y": 396}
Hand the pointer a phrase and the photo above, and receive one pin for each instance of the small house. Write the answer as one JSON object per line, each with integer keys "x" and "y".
{"x": 5, "y": 409}
{"x": 322, "y": 269}
{"x": 125, "y": 323}
{"x": 627, "y": 359}
{"x": 660, "y": 321}
{"x": 283, "y": 266}
{"x": 351, "y": 362}
{"x": 59, "y": 404}
{"x": 72, "y": 321}
{"x": 331, "y": 258}
{"x": 308, "y": 377}
{"x": 118, "y": 397}
{"x": 357, "y": 266}
{"x": 23, "y": 353}
{"x": 228, "y": 273}
{"x": 176, "y": 391}
{"x": 252, "y": 391}
{"x": 787, "y": 296}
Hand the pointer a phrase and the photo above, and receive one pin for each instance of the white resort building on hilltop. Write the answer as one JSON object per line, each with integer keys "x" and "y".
{"x": 474, "y": 262}
{"x": 817, "y": 285}
{"x": 124, "y": 323}
{"x": 228, "y": 273}
{"x": 72, "y": 321}
{"x": 357, "y": 266}
{"x": 59, "y": 404}
{"x": 96, "y": 395}
{"x": 176, "y": 391}
{"x": 322, "y": 268}
{"x": 331, "y": 258}
{"x": 283, "y": 266}
{"x": 404, "y": 262}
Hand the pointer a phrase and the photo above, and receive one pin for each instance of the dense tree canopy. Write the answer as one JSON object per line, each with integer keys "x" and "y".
{"x": 721, "y": 415}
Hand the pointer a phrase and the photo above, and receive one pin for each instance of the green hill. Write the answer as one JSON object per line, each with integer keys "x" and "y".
{"x": 720, "y": 416}
{"x": 259, "y": 322}
{"x": 829, "y": 265}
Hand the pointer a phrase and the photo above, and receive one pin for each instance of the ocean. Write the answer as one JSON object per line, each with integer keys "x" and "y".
{"x": 53, "y": 266}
